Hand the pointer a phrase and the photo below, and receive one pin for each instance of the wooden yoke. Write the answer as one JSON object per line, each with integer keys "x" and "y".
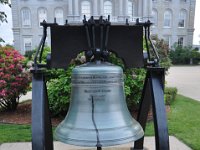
{"x": 68, "y": 41}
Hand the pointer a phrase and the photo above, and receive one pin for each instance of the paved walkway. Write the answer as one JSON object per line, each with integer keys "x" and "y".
{"x": 26, "y": 97}
{"x": 186, "y": 79}
{"x": 149, "y": 144}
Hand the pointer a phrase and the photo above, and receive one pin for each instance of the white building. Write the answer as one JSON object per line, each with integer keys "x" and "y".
{"x": 174, "y": 19}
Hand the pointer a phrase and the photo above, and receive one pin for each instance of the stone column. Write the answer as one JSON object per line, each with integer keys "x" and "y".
{"x": 140, "y": 8}
{"x": 120, "y": 7}
{"x": 150, "y": 9}
{"x": 95, "y": 8}
{"x": 76, "y": 10}
{"x": 101, "y": 7}
{"x": 70, "y": 11}
{"x": 145, "y": 8}
{"x": 126, "y": 8}
{"x": 121, "y": 16}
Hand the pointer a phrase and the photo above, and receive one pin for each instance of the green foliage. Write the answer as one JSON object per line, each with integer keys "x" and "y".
{"x": 3, "y": 16}
{"x": 195, "y": 56}
{"x": 59, "y": 85}
{"x": 59, "y": 91}
{"x": 184, "y": 55}
{"x": 170, "y": 95}
{"x": 163, "y": 52}
{"x": 133, "y": 83}
{"x": 29, "y": 54}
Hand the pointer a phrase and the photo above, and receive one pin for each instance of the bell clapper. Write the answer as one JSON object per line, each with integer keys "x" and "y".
{"x": 96, "y": 129}
{"x": 99, "y": 148}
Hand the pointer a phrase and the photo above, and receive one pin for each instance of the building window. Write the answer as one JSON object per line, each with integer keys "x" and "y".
{"x": 85, "y": 9}
{"x": 167, "y": 40}
{"x": 155, "y": 17}
{"x": 182, "y": 19}
{"x": 107, "y": 8}
{"x": 42, "y": 15}
{"x": 180, "y": 41}
{"x": 27, "y": 44}
{"x": 131, "y": 9}
{"x": 167, "y": 18}
{"x": 26, "y": 17}
{"x": 59, "y": 16}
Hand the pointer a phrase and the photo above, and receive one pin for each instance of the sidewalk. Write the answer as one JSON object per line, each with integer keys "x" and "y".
{"x": 186, "y": 79}
{"x": 149, "y": 144}
{"x": 26, "y": 97}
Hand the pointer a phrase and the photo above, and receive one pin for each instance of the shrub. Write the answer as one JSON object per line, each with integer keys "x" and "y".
{"x": 163, "y": 52}
{"x": 59, "y": 91}
{"x": 29, "y": 54}
{"x": 184, "y": 55}
{"x": 195, "y": 56}
{"x": 58, "y": 86}
{"x": 170, "y": 95}
{"x": 133, "y": 83}
{"x": 14, "y": 81}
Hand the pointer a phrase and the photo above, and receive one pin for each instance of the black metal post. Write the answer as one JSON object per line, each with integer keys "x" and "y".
{"x": 153, "y": 92}
{"x": 159, "y": 113}
{"x": 42, "y": 138}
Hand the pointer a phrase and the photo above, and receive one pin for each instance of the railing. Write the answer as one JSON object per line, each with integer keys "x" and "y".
{"x": 115, "y": 19}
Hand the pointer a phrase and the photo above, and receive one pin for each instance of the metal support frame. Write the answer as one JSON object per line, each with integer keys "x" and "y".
{"x": 42, "y": 138}
{"x": 153, "y": 93}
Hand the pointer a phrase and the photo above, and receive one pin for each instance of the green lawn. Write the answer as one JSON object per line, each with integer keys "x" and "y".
{"x": 183, "y": 122}
{"x": 14, "y": 133}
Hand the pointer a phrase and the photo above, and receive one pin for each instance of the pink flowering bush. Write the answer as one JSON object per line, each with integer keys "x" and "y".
{"x": 14, "y": 80}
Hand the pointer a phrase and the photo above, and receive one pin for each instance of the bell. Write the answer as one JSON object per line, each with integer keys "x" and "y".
{"x": 98, "y": 115}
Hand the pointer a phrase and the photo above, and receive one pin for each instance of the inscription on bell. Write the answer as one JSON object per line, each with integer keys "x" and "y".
{"x": 97, "y": 91}
{"x": 109, "y": 78}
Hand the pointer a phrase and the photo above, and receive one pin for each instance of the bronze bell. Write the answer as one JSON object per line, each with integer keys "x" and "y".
{"x": 98, "y": 115}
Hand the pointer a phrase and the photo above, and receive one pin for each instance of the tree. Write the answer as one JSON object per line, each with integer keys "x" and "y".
{"x": 3, "y": 16}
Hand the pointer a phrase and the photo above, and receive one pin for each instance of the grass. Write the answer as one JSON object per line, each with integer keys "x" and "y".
{"x": 183, "y": 122}
{"x": 15, "y": 133}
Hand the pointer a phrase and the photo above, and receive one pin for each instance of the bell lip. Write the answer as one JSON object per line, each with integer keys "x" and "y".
{"x": 105, "y": 143}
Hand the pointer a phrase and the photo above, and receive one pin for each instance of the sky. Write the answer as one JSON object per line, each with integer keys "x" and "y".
{"x": 7, "y": 35}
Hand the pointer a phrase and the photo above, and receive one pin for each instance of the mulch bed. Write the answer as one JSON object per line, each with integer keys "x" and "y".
{"x": 23, "y": 115}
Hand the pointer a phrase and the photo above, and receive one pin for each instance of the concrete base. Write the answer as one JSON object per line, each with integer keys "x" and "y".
{"x": 149, "y": 144}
